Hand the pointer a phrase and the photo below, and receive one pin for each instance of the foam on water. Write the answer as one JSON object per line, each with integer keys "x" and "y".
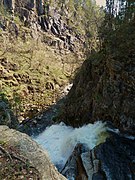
{"x": 60, "y": 140}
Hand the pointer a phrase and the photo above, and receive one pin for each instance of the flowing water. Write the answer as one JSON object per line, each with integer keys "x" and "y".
{"x": 60, "y": 140}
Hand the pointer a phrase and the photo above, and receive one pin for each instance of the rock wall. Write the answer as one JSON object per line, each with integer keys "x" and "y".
{"x": 114, "y": 159}
{"x": 42, "y": 17}
{"x": 103, "y": 90}
{"x": 28, "y": 4}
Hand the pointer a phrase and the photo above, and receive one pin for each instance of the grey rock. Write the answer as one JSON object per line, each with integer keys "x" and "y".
{"x": 29, "y": 149}
{"x": 96, "y": 94}
{"x": 116, "y": 159}
{"x": 40, "y": 17}
{"x": 112, "y": 160}
{"x": 74, "y": 168}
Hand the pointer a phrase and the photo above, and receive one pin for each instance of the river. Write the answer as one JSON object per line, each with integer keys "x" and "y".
{"x": 60, "y": 140}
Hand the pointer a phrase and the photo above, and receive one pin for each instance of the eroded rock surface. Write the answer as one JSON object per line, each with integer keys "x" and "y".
{"x": 29, "y": 149}
{"x": 116, "y": 158}
{"x": 74, "y": 168}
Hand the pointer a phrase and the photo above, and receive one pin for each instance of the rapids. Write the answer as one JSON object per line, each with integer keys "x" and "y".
{"x": 60, "y": 140}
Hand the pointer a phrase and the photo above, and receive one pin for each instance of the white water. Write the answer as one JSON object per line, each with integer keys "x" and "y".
{"x": 60, "y": 140}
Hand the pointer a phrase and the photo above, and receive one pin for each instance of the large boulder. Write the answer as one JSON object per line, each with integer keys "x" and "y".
{"x": 114, "y": 159}
{"x": 104, "y": 88}
{"x": 31, "y": 151}
{"x": 74, "y": 168}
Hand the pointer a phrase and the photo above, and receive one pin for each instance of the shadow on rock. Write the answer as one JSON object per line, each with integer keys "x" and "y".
{"x": 38, "y": 124}
{"x": 114, "y": 160}
{"x": 7, "y": 116}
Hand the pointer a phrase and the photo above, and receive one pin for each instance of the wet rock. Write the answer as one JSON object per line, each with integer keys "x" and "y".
{"x": 74, "y": 168}
{"x": 117, "y": 157}
{"x": 113, "y": 160}
{"x": 90, "y": 164}
{"x": 35, "y": 126}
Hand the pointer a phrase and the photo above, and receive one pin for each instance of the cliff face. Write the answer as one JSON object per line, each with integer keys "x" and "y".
{"x": 104, "y": 88}
{"x": 44, "y": 17}
{"x": 28, "y": 4}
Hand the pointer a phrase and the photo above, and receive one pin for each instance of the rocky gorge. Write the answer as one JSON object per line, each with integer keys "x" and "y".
{"x": 82, "y": 133}
{"x": 113, "y": 158}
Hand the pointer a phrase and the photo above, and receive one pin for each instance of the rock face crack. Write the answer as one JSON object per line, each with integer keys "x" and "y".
{"x": 74, "y": 167}
{"x": 112, "y": 160}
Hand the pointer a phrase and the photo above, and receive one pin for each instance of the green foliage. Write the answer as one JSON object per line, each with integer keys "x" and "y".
{"x": 118, "y": 30}
{"x": 38, "y": 64}
{"x": 2, "y": 143}
{"x": 29, "y": 66}
{"x": 10, "y": 102}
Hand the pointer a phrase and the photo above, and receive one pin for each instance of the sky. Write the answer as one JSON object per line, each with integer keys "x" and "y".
{"x": 101, "y": 2}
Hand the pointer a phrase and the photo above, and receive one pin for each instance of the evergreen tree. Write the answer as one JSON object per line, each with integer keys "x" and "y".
{"x": 120, "y": 15}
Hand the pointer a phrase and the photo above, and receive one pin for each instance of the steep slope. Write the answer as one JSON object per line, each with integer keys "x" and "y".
{"x": 35, "y": 63}
{"x": 42, "y": 43}
{"x": 104, "y": 88}
{"x": 50, "y": 17}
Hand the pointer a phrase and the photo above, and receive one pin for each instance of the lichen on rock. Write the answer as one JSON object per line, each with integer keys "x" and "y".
{"x": 26, "y": 148}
